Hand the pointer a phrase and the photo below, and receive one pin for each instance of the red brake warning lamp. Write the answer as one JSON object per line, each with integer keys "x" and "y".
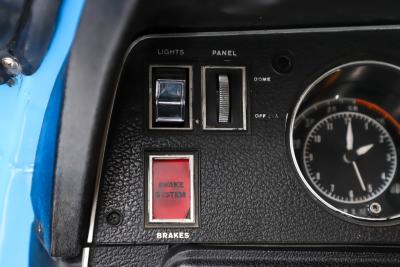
{"x": 170, "y": 188}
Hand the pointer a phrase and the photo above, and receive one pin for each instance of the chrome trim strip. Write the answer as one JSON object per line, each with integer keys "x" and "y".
{"x": 205, "y": 34}
{"x": 85, "y": 257}
{"x": 264, "y": 32}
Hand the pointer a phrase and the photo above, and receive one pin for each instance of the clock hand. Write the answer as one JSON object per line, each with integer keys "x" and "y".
{"x": 349, "y": 136}
{"x": 364, "y": 149}
{"x": 360, "y": 179}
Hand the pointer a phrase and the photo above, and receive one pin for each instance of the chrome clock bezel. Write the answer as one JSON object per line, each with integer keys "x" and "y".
{"x": 292, "y": 121}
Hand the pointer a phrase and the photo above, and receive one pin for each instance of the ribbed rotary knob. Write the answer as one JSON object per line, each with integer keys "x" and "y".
{"x": 224, "y": 98}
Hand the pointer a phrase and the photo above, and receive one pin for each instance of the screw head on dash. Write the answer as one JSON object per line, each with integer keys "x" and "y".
{"x": 114, "y": 218}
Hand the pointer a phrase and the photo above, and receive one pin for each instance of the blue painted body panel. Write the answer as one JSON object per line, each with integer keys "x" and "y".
{"x": 22, "y": 113}
{"x": 43, "y": 171}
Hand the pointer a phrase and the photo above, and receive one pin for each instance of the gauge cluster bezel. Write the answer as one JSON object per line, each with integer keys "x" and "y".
{"x": 305, "y": 102}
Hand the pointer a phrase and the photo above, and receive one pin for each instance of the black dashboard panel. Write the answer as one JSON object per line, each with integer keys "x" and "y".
{"x": 228, "y": 256}
{"x": 193, "y": 15}
{"x": 249, "y": 191}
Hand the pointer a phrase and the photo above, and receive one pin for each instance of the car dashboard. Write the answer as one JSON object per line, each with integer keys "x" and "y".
{"x": 228, "y": 133}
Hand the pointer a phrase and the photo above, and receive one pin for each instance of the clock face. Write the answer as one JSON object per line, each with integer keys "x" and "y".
{"x": 349, "y": 157}
{"x": 347, "y": 154}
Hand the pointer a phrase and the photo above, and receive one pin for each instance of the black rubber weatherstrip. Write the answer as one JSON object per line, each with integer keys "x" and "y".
{"x": 93, "y": 67}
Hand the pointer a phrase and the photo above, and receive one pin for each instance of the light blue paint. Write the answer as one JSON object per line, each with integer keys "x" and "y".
{"x": 22, "y": 109}
{"x": 43, "y": 171}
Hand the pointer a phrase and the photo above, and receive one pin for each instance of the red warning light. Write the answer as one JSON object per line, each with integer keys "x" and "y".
{"x": 171, "y": 189}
